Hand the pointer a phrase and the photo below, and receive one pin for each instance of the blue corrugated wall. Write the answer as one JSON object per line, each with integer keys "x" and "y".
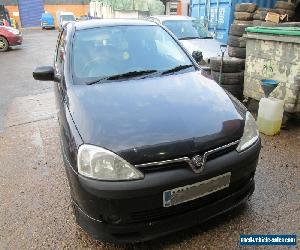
{"x": 218, "y": 14}
{"x": 31, "y": 12}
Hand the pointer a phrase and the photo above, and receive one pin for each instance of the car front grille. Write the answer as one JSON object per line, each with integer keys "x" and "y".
{"x": 163, "y": 166}
{"x": 162, "y": 212}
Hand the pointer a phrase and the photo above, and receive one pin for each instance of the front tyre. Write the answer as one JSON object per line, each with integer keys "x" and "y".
{"x": 3, "y": 44}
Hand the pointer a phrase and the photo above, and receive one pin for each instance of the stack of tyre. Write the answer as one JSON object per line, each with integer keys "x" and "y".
{"x": 259, "y": 16}
{"x": 243, "y": 15}
{"x": 232, "y": 77}
{"x": 282, "y": 8}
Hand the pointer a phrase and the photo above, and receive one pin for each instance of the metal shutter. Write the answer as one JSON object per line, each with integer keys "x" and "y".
{"x": 31, "y": 12}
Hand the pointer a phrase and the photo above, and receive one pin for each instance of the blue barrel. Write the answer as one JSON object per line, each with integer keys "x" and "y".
{"x": 218, "y": 14}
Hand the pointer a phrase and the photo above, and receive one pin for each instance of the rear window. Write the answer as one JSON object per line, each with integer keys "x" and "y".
{"x": 67, "y": 18}
{"x": 184, "y": 29}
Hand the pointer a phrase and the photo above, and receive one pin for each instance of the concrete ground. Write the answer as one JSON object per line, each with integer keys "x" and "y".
{"x": 35, "y": 207}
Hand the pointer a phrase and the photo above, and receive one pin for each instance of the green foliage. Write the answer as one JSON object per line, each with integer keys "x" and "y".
{"x": 154, "y": 7}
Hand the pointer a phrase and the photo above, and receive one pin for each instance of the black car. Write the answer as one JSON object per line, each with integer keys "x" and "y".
{"x": 150, "y": 145}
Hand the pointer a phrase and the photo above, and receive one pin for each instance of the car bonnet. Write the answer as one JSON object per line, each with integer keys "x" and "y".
{"x": 156, "y": 118}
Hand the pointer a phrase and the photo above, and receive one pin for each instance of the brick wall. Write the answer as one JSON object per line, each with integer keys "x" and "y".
{"x": 78, "y": 10}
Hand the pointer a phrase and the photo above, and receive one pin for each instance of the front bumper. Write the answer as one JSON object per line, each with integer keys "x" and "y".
{"x": 133, "y": 211}
{"x": 15, "y": 40}
{"x": 48, "y": 26}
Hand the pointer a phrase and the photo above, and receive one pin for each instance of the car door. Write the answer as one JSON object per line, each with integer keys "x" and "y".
{"x": 68, "y": 131}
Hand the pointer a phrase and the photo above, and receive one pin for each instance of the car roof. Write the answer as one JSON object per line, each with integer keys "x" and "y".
{"x": 95, "y": 23}
{"x": 172, "y": 18}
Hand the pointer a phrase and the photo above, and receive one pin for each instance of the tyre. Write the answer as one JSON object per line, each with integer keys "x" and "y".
{"x": 237, "y": 41}
{"x": 4, "y": 45}
{"x": 238, "y": 29}
{"x": 263, "y": 23}
{"x": 245, "y": 7}
{"x": 243, "y": 22}
{"x": 236, "y": 90}
{"x": 244, "y": 16}
{"x": 291, "y": 24}
{"x": 237, "y": 52}
{"x": 263, "y": 10}
{"x": 260, "y": 15}
{"x": 257, "y": 22}
{"x": 284, "y": 5}
{"x": 229, "y": 78}
{"x": 290, "y": 13}
{"x": 230, "y": 64}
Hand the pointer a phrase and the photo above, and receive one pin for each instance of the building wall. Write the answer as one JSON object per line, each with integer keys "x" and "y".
{"x": 14, "y": 12}
{"x": 77, "y": 9}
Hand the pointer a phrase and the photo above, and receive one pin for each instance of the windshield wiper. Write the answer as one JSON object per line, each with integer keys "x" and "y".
{"x": 122, "y": 76}
{"x": 189, "y": 37}
{"x": 178, "y": 68}
{"x": 196, "y": 37}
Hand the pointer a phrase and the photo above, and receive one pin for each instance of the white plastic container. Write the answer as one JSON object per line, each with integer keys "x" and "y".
{"x": 270, "y": 114}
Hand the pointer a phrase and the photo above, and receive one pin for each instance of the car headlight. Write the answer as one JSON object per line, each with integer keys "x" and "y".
{"x": 12, "y": 30}
{"x": 99, "y": 163}
{"x": 250, "y": 135}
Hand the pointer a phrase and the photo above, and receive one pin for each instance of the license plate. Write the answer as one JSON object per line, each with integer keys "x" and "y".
{"x": 191, "y": 192}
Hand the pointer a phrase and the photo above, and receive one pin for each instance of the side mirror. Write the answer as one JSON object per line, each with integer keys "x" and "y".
{"x": 44, "y": 73}
{"x": 198, "y": 56}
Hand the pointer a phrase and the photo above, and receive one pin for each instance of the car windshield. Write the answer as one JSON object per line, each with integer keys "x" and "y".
{"x": 187, "y": 29}
{"x": 67, "y": 18}
{"x": 125, "y": 50}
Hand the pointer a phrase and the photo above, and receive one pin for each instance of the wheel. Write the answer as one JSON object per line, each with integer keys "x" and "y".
{"x": 229, "y": 78}
{"x": 244, "y": 16}
{"x": 230, "y": 64}
{"x": 238, "y": 29}
{"x": 237, "y": 52}
{"x": 4, "y": 46}
{"x": 246, "y": 7}
{"x": 284, "y": 5}
{"x": 237, "y": 41}
{"x": 235, "y": 90}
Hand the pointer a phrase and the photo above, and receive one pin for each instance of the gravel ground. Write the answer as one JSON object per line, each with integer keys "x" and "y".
{"x": 35, "y": 207}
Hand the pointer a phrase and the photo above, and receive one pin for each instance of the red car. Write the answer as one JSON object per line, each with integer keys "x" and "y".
{"x": 9, "y": 37}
